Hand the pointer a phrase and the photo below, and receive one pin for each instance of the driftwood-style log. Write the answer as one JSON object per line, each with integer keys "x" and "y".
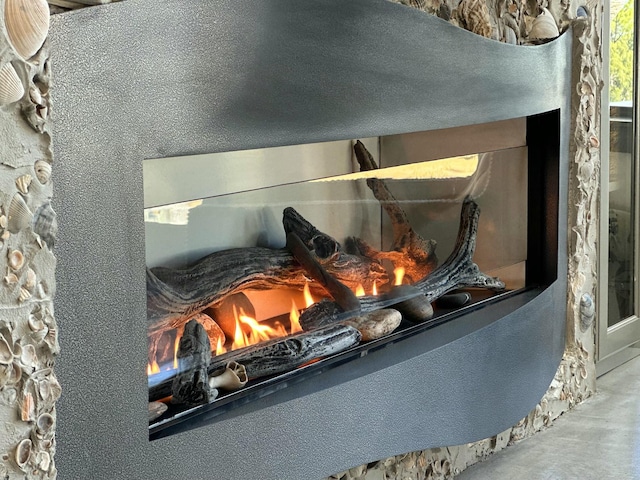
{"x": 457, "y": 271}
{"x": 279, "y": 356}
{"x": 191, "y": 385}
{"x": 175, "y": 295}
{"x": 342, "y": 295}
{"x": 409, "y": 250}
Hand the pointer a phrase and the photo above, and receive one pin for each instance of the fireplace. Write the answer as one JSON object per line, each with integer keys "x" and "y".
{"x": 280, "y": 74}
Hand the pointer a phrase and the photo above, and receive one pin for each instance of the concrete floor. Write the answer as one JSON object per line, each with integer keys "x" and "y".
{"x": 598, "y": 440}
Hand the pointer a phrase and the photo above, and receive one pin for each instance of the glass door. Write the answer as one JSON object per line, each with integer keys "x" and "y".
{"x": 619, "y": 324}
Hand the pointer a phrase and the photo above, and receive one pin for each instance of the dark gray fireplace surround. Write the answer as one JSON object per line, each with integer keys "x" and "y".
{"x": 155, "y": 78}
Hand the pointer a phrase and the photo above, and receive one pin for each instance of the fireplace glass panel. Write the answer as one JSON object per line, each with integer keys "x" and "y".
{"x": 247, "y": 194}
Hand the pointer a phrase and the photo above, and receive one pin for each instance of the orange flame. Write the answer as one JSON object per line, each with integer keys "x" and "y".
{"x": 175, "y": 352}
{"x": 374, "y": 290}
{"x": 359, "y": 290}
{"x": 153, "y": 368}
{"x": 307, "y": 296}
{"x": 399, "y": 273}
{"x": 294, "y": 319}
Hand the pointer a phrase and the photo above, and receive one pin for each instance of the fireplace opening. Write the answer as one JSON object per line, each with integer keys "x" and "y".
{"x": 268, "y": 267}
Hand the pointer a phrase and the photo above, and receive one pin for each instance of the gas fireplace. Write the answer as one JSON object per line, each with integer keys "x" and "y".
{"x": 267, "y": 304}
{"x": 254, "y": 151}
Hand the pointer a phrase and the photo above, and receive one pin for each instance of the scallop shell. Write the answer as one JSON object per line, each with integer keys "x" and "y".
{"x": 19, "y": 214}
{"x": 23, "y": 452}
{"x": 15, "y": 259}
{"x": 43, "y": 171}
{"x": 27, "y": 23}
{"x": 23, "y": 182}
{"x": 24, "y": 295}
{"x": 11, "y": 88}
{"x": 544, "y": 26}
{"x": 45, "y": 223}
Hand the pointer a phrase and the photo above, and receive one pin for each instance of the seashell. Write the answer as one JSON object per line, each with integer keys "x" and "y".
{"x": 43, "y": 171}
{"x": 49, "y": 390}
{"x": 544, "y": 26}
{"x": 233, "y": 377}
{"x": 28, "y": 356}
{"x": 6, "y": 353}
{"x": 15, "y": 259}
{"x": 23, "y": 452}
{"x": 473, "y": 15}
{"x": 15, "y": 374}
{"x": 43, "y": 461}
{"x": 3, "y": 221}
{"x": 23, "y": 182}
{"x": 10, "y": 278}
{"x": 24, "y": 295}
{"x": 28, "y": 408}
{"x": 45, "y": 223}
{"x": 587, "y": 311}
{"x": 30, "y": 281}
{"x": 27, "y": 24}
{"x": 51, "y": 339}
{"x": 8, "y": 396}
{"x": 44, "y": 424}
{"x": 11, "y": 88}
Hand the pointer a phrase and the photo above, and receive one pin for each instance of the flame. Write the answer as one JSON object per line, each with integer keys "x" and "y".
{"x": 294, "y": 319}
{"x": 220, "y": 347}
{"x": 175, "y": 352}
{"x": 153, "y": 368}
{"x": 307, "y": 296}
{"x": 374, "y": 290}
{"x": 399, "y": 273}
{"x": 359, "y": 290}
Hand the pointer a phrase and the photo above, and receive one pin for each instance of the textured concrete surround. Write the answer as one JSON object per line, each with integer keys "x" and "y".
{"x": 28, "y": 332}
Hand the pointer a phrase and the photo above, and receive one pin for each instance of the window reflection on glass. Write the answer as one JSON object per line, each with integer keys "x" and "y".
{"x": 621, "y": 163}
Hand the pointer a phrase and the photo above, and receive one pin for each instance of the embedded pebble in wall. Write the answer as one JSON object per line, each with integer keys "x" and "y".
{"x": 11, "y": 88}
{"x": 27, "y": 24}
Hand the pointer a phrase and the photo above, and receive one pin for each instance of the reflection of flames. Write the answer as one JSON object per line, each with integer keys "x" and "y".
{"x": 153, "y": 367}
{"x": 399, "y": 274}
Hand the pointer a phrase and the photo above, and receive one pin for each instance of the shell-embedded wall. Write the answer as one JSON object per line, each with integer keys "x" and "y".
{"x": 28, "y": 332}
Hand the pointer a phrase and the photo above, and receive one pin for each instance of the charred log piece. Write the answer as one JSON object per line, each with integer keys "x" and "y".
{"x": 354, "y": 269}
{"x": 409, "y": 249}
{"x": 342, "y": 295}
{"x": 279, "y": 356}
{"x": 175, "y": 295}
{"x": 191, "y": 385}
{"x": 457, "y": 271}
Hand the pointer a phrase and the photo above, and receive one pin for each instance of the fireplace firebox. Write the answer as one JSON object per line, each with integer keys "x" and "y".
{"x": 212, "y": 133}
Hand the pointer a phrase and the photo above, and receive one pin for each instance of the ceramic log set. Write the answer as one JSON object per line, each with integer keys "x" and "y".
{"x": 28, "y": 332}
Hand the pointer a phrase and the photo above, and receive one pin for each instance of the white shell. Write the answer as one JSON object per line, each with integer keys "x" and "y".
{"x": 28, "y": 356}
{"x": 30, "y": 280}
{"x": 6, "y": 353}
{"x": 44, "y": 424}
{"x": 27, "y": 23}
{"x": 23, "y": 452}
{"x": 19, "y": 214}
{"x": 544, "y": 26}
{"x": 24, "y": 295}
{"x": 43, "y": 171}
{"x": 233, "y": 377}
{"x": 11, "y": 88}
{"x": 15, "y": 259}
{"x": 23, "y": 182}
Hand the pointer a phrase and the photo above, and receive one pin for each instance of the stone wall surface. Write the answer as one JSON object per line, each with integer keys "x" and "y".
{"x": 28, "y": 332}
